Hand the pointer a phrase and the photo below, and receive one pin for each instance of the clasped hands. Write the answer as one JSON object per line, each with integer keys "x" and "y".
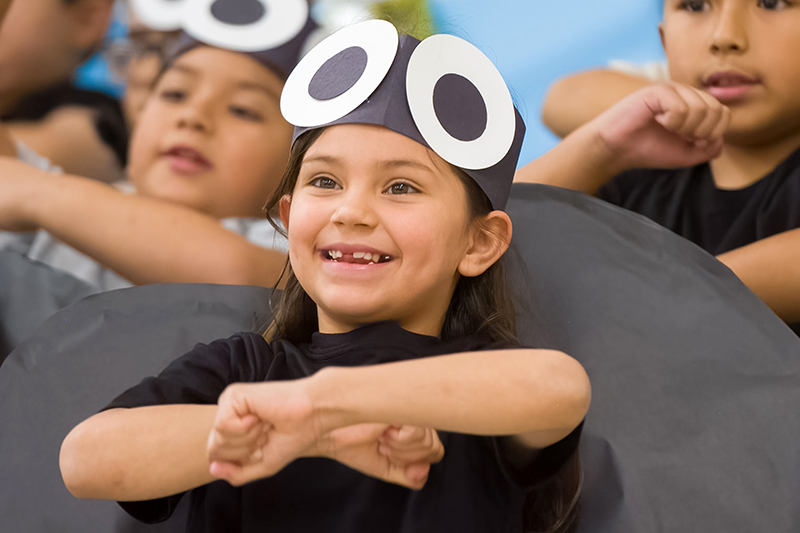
{"x": 260, "y": 428}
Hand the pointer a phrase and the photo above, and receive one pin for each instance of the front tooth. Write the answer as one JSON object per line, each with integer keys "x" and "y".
{"x": 358, "y": 255}
{"x": 368, "y": 256}
{"x": 339, "y": 254}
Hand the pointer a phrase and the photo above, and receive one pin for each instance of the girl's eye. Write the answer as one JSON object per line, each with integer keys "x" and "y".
{"x": 401, "y": 188}
{"x": 245, "y": 113}
{"x": 324, "y": 183}
{"x": 173, "y": 95}
{"x": 695, "y": 6}
{"x": 773, "y": 5}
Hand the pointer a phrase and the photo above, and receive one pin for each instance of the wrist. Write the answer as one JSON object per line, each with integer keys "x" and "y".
{"x": 326, "y": 392}
{"x": 596, "y": 152}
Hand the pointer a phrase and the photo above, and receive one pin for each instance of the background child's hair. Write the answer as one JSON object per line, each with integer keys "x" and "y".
{"x": 483, "y": 303}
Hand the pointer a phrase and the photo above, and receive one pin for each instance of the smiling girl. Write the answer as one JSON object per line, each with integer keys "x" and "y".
{"x": 396, "y": 313}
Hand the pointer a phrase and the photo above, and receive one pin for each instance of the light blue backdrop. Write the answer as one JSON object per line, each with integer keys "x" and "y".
{"x": 533, "y": 42}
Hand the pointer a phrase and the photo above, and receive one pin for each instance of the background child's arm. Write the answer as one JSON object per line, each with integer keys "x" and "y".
{"x": 143, "y": 240}
{"x": 769, "y": 267}
{"x": 664, "y": 125}
{"x": 575, "y": 100}
{"x": 6, "y": 145}
{"x": 540, "y": 396}
{"x": 138, "y": 454}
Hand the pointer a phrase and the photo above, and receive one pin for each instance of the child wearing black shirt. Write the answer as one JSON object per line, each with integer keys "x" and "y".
{"x": 728, "y": 124}
{"x": 396, "y": 312}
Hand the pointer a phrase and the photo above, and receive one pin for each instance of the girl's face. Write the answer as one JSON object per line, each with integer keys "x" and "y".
{"x": 211, "y": 135}
{"x": 379, "y": 229}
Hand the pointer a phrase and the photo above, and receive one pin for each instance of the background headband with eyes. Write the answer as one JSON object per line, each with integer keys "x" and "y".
{"x": 442, "y": 92}
{"x": 273, "y": 32}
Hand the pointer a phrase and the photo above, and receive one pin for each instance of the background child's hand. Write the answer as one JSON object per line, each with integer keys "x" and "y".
{"x": 665, "y": 125}
{"x": 20, "y": 185}
{"x": 397, "y": 454}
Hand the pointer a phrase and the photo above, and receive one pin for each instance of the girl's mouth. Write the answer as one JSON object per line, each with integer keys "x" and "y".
{"x": 186, "y": 160}
{"x": 355, "y": 257}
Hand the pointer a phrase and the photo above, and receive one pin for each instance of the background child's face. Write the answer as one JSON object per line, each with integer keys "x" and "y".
{"x": 211, "y": 135}
{"x": 42, "y": 41}
{"x": 744, "y": 53}
{"x": 366, "y": 189}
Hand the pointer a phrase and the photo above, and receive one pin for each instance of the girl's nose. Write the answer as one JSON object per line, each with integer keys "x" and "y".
{"x": 196, "y": 115}
{"x": 730, "y": 32}
{"x": 355, "y": 209}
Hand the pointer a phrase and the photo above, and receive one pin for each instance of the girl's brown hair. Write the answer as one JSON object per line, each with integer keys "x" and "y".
{"x": 483, "y": 303}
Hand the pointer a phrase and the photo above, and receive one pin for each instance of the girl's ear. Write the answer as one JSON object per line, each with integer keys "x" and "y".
{"x": 285, "y": 205}
{"x": 488, "y": 241}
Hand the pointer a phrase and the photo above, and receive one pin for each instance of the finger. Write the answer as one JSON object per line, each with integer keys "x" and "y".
{"x": 234, "y": 427}
{"x": 417, "y": 474}
{"x": 238, "y": 474}
{"x": 432, "y": 453}
{"x": 697, "y": 110}
{"x": 405, "y": 436}
{"x": 713, "y": 116}
{"x": 222, "y": 439}
{"x": 722, "y": 125}
{"x": 222, "y": 452}
{"x": 667, "y": 105}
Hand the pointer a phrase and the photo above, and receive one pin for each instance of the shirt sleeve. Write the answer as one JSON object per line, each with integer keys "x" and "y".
{"x": 199, "y": 377}
{"x": 529, "y": 468}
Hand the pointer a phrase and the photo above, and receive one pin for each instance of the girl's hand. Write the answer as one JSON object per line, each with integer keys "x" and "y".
{"x": 20, "y": 185}
{"x": 259, "y": 429}
{"x": 665, "y": 125}
{"x": 397, "y": 454}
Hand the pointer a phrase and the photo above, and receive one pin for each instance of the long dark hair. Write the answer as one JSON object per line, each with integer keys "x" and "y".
{"x": 481, "y": 303}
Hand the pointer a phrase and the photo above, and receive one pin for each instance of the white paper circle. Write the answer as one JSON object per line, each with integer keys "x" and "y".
{"x": 283, "y": 21}
{"x": 160, "y": 15}
{"x": 437, "y": 56}
{"x": 378, "y": 38}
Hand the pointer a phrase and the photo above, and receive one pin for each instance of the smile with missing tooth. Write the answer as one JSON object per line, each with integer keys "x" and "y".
{"x": 361, "y": 258}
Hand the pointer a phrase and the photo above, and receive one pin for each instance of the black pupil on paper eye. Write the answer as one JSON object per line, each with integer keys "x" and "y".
{"x": 238, "y": 12}
{"x": 460, "y": 107}
{"x": 338, "y": 74}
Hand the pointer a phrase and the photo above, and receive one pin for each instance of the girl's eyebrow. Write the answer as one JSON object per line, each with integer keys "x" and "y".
{"x": 183, "y": 69}
{"x": 253, "y": 86}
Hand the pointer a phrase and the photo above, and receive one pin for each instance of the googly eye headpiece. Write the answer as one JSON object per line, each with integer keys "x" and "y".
{"x": 273, "y": 32}
{"x": 442, "y": 92}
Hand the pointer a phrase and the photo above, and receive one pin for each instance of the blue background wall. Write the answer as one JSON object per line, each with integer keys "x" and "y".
{"x": 533, "y": 42}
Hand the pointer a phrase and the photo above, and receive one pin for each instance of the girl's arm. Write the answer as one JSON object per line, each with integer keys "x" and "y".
{"x": 664, "y": 125}
{"x": 144, "y": 240}
{"x": 138, "y": 454}
{"x": 769, "y": 267}
{"x": 539, "y": 396}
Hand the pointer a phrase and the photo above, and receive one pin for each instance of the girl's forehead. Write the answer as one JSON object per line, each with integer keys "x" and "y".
{"x": 371, "y": 144}
{"x": 227, "y": 68}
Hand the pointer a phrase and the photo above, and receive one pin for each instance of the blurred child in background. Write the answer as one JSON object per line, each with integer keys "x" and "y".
{"x": 726, "y": 128}
{"x": 42, "y": 42}
{"x": 209, "y": 149}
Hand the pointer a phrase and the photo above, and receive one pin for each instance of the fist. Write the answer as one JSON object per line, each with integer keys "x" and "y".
{"x": 664, "y": 125}
{"x": 396, "y": 454}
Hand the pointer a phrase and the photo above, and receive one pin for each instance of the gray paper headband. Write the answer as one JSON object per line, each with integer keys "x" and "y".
{"x": 442, "y": 92}
{"x": 273, "y": 32}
